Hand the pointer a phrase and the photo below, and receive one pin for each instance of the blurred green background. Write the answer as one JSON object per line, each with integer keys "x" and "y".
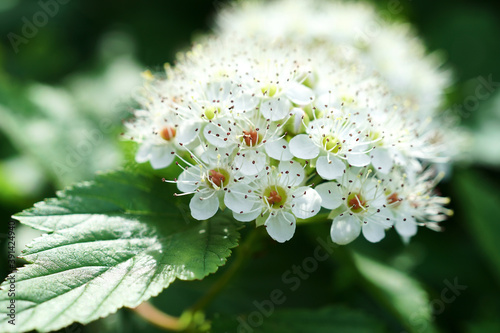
{"x": 64, "y": 93}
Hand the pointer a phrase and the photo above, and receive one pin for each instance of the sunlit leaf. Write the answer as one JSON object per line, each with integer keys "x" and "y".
{"x": 111, "y": 243}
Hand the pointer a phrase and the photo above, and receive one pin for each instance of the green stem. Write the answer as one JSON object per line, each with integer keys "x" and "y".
{"x": 242, "y": 253}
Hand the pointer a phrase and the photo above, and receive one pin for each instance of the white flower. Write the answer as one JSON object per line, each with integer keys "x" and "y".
{"x": 208, "y": 182}
{"x": 208, "y": 102}
{"x": 156, "y": 130}
{"x": 242, "y": 108}
{"x": 251, "y": 137}
{"x": 353, "y": 29}
{"x": 413, "y": 202}
{"x": 400, "y": 138}
{"x": 334, "y": 139}
{"x": 275, "y": 74}
{"x": 402, "y": 59}
{"x": 277, "y": 197}
{"x": 358, "y": 199}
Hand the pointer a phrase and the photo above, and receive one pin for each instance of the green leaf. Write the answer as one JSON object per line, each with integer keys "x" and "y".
{"x": 327, "y": 320}
{"x": 113, "y": 242}
{"x": 403, "y": 295}
{"x": 478, "y": 203}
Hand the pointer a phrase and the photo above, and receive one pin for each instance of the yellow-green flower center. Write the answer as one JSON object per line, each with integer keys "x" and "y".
{"x": 376, "y": 137}
{"x": 211, "y": 111}
{"x": 269, "y": 90}
{"x": 347, "y": 100}
{"x": 331, "y": 144}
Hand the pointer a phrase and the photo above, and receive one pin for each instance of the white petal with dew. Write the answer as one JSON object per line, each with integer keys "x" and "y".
{"x": 302, "y": 146}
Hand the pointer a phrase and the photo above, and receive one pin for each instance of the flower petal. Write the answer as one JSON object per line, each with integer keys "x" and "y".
{"x": 189, "y": 180}
{"x": 216, "y": 135}
{"x": 381, "y": 160}
{"x": 275, "y": 109}
{"x": 331, "y": 196}
{"x": 281, "y": 226}
{"x": 278, "y": 150}
{"x": 384, "y": 215}
{"x": 406, "y": 227}
{"x": 240, "y": 198}
{"x": 162, "y": 156}
{"x": 301, "y": 146}
{"x": 143, "y": 153}
{"x": 299, "y": 93}
{"x": 358, "y": 159}
{"x": 247, "y": 217}
{"x": 212, "y": 155}
{"x": 188, "y": 132}
{"x": 204, "y": 205}
{"x": 250, "y": 162}
{"x": 293, "y": 173}
{"x": 373, "y": 232}
{"x": 245, "y": 103}
{"x": 307, "y": 202}
{"x": 345, "y": 229}
{"x": 332, "y": 169}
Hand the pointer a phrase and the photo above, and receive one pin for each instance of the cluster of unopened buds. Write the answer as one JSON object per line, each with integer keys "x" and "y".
{"x": 276, "y": 131}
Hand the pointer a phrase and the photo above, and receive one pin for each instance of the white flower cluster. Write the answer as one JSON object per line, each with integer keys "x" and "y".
{"x": 276, "y": 131}
{"x": 356, "y": 29}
